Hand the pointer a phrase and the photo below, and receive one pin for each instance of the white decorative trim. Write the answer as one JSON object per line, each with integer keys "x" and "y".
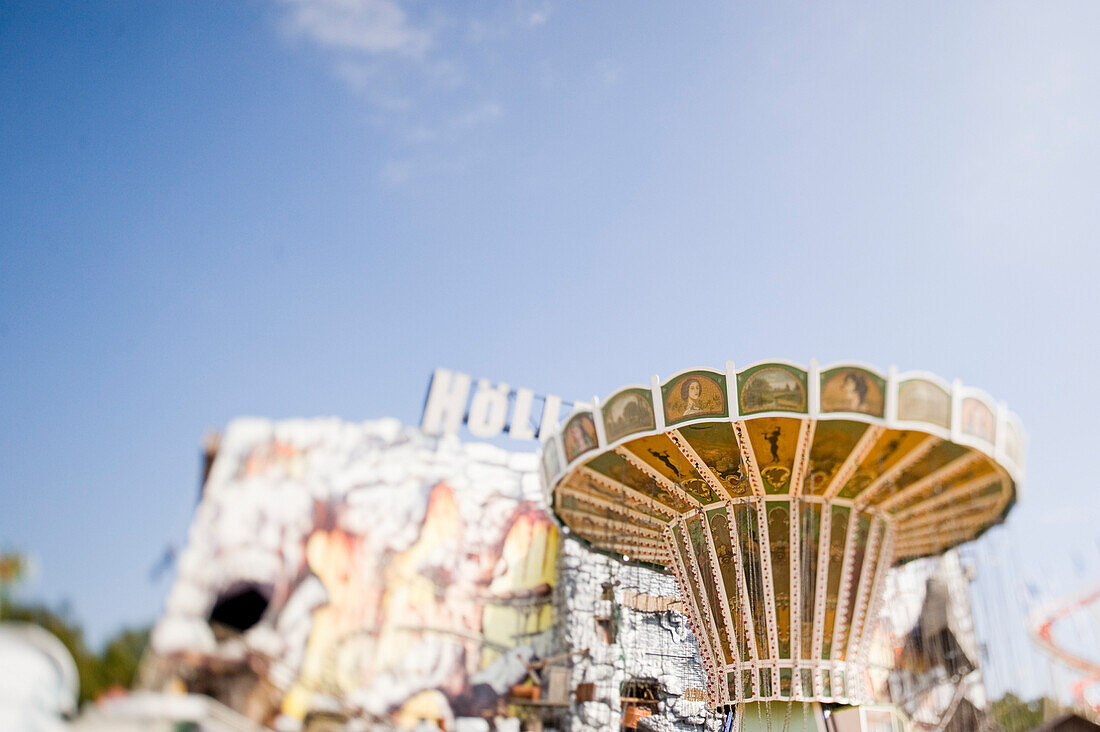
{"x": 658, "y": 404}
{"x": 802, "y": 457}
{"x": 768, "y": 586}
{"x": 821, "y": 582}
{"x": 795, "y": 551}
{"x": 813, "y": 390}
{"x": 866, "y": 580}
{"x": 748, "y": 460}
{"x": 732, "y": 393}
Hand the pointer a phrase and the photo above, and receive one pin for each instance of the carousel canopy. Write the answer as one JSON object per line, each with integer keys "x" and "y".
{"x": 778, "y": 495}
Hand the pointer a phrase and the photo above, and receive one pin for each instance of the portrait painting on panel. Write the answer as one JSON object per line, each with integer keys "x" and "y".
{"x": 923, "y": 401}
{"x": 697, "y": 394}
{"x": 978, "y": 420}
{"x": 772, "y": 388}
{"x": 628, "y": 412}
{"x": 852, "y": 390}
{"x": 580, "y": 435}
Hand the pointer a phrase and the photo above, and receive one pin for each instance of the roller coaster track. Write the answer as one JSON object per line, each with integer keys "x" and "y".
{"x": 1041, "y": 627}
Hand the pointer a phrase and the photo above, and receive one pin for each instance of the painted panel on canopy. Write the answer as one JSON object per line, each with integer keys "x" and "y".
{"x": 627, "y": 412}
{"x": 568, "y": 501}
{"x": 733, "y": 681}
{"x": 774, "y": 442}
{"x": 891, "y": 446}
{"x": 716, "y": 445}
{"x": 616, "y": 467}
{"x": 579, "y": 436}
{"x": 745, "y": 522}
{"x": 863, "y": 531}
{"x": 924, "y": 401}
{"x": 693, "y": 395}
{"x": 696, "y": 532}
{"x": 591, "y": 529}
{"x": 937, "y": 457}
{"x": 692, "y": 584}
{"x": 838, "y": 529}
{"x": 807, "y": 562}
{"x": 849, "y": 389}
{"x": 973, "y": 511}
{"x": 957, "y": 505}
{"x": 969, "y": 505}
{"x": 727, "y": 558}
{"x": 938, "y": 543}
{"x": 980, "y": 468}
{"x": 786, "y": 676}
{"x": 771, "y": 388}
{"x": 582, "y": 484}
{"x": 779, "y": 537}
{"x": 659, "y": 453}
{"x": 619, "y": 544}
{"x": 833, "y": 442}
{"x": 978, "y": 420}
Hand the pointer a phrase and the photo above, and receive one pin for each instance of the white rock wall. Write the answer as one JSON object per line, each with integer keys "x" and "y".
{"x": 273, "y": 486}
{"x": 649, "y": 645}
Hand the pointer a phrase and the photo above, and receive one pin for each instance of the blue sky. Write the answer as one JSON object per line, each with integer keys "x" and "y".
{"x": 302, "y": 207}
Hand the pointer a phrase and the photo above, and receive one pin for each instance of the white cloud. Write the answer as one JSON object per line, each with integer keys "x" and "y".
{"x": 478, "y": 115}
{"x": 397, "y": 172}
{"x": 505, "y": 19}
{"x": 413, "y": 64}
{"x": 538, "y": 16}
{"x": 365, "y": 26}
{"x": 451, "y": 128}
{"x": 610, "y": 72}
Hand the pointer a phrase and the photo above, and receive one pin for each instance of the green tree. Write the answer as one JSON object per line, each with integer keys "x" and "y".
{"x": 119, "y": 661}
{"x": 116, "y": 665}
{"x": 1013, "y": 714}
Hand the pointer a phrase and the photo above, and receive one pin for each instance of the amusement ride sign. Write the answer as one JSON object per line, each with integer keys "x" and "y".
{"x": 492, "y": 410}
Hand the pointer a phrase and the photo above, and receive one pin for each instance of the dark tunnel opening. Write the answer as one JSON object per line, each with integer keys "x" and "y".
{"x": 240, "y": 607}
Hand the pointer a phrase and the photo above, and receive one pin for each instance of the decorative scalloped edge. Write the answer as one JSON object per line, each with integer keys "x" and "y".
{"x": 994, "y": 450}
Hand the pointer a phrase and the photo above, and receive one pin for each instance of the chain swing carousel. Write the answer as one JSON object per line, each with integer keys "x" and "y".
{"x": 778, "y": 496}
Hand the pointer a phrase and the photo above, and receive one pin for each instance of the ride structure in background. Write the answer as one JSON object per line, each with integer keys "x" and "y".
{"x": 778, "y": 496}
{"x": 1041, "y": 625}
